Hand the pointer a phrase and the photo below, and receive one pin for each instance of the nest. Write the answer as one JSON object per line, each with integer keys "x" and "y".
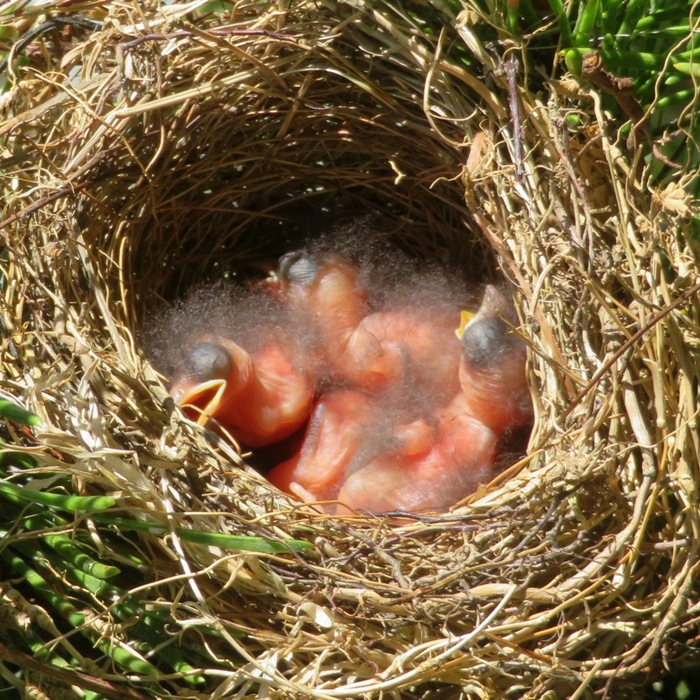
{"x": 168, "y": 146}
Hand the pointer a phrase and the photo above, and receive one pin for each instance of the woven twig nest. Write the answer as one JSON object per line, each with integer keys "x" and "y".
{"x": 167, "y": 147}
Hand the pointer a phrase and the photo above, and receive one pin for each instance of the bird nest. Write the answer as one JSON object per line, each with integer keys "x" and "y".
{"x": 168, "y": 145}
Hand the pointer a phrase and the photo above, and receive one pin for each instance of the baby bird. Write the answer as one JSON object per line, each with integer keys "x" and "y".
{"x": 450, "y": 463}
{"x": 415, "y": 344}
{"x": 327, "y": 290}
{"x": 369, "y": 349}
{"x": 492, "y": 366}
{"x": 454, "y": 460}
{"x": 347, "y": 430}
{"x": 261, "y": 397}
{"x": 235, "y": 357}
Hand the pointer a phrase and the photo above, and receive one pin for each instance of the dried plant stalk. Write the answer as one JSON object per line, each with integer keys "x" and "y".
{"x": 171, "y": 146}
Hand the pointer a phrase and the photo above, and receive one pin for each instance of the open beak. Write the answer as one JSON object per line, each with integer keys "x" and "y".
{"x": 204, "y": 398}
{"x": 465, "y": 318}
{"x": 493, "y": 303}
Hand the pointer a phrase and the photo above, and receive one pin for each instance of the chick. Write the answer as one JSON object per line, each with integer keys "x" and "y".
{"x": 235, "y": 359}
{"x": 364, "y": 341}
{"x": 492, "y": 366}
{"x": 348, "y": 430}
{"x": 414, "y": 344}
{"x": 457, "y": 457}
{"x": 441, "y": 471}
{"x": 261, "y": 398}
{"x": 336, "y": 434}
{"x": 328, "y": 291}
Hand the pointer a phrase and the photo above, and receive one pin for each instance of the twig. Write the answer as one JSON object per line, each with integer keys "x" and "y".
{"x": 184, "y": 33}
{"x": 622, "y": 350}
{"x": 511, "y": 70}
{"x": 57, "y": 194}
{"x": 53, "y": 23}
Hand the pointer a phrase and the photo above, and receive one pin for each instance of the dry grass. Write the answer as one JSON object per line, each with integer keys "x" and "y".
{"x": 170, "y": 147}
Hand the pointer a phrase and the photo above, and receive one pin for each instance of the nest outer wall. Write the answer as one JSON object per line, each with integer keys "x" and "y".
{"x": 170, "y": 147}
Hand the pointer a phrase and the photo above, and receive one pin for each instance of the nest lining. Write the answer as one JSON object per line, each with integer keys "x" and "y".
{"x": 183, "y": 148}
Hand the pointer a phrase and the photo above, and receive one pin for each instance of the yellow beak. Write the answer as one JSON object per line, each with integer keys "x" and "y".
{"x": 185, "y": 395}
{"x": 464, "y": 319}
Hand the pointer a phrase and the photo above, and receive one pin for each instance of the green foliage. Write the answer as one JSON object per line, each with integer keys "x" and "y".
{"x": 11, "y": 411}
{"x": 85, "y": 564}
{"x": 645, "y": 46}
{"x": 684, "y": 686}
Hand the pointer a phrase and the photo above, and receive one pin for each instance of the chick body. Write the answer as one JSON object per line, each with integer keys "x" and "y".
{"x": 440, "y": 465}
{"x": 403, "y": 345}
{"x": 335, "y": 435}
{"x": 453, "y": 462}
{"x": 365, "y": 347}
{"x": 492, "y": 366}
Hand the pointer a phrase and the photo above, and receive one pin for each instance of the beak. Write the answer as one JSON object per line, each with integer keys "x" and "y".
{"x": 465, "y": 318}
{"x": 203, "y": 397}
{"x": 269, "y": 285}
{"x": 493, "y": 304}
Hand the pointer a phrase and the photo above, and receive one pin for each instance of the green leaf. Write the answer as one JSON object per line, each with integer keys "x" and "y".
{"x": 683, "y": 692}
{"x": 511, "y": 18}
{"x": 586, "y": 24}
{"x": 211, "y": 539}
{"x": 250, "y": 544}
{"x": 215, "y": 7}
{"x": 14, "y": 458}
{"x": 619, "y": 62}
{"x": 676, "y": 98}
{"x": 574, "y": 61}
{"x": 72, "y": 555}
{"x": 564, "y": 26}
{"x": 611, "y": 20}
{"x": 623, "y": 61}
{"x": 55, "y": 500}
{"x": 634, "y": 11}
{"x": 17, "y": 414}
{"x": 659, "y": 21}
{"x": 121, "y": 654}
{"x": 528, "y": 13}
{"x": 688, "y": 69}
